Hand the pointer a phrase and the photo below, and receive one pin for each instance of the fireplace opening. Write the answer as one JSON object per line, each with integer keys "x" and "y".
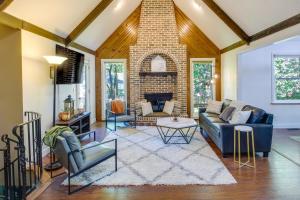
{"x": 158, "y": 100}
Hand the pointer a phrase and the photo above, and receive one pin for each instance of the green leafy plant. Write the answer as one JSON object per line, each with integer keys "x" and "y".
{"x": 287, "y": 77}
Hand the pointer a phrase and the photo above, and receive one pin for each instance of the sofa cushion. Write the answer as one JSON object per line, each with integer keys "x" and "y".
{"x": 240, "y": 117}
{"x": 256, "y": 116}
{"x": 209, "y": 114}
{"x": 158, "y": 114}
{"x": 227, "y": 113}
{"x": 214, "y": 106}
{"x": 215, "y": 119}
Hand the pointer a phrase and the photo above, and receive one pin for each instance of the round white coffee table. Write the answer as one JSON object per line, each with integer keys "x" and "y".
{"x": 184, "y": 128}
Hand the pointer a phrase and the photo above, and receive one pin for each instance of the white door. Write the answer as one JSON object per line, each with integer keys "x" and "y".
{"x": 114, "y": 83}
{"x": 202, "y": 82}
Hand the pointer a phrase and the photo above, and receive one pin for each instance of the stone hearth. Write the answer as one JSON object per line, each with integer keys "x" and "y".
{"x": 158, "y": 35}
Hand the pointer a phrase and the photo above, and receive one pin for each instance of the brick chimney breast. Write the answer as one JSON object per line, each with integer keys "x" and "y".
{"x": 158, "y": 35}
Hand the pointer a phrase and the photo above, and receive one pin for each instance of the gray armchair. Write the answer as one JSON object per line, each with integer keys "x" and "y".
{"x": 77, "y": 159}
{"x": 129, "y": 116}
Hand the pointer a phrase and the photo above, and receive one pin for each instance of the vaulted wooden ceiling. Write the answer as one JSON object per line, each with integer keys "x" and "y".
{"x": 228, "y": 23}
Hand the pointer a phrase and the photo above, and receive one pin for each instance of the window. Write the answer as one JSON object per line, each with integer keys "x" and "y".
{"x": 202, "y": 83}
{"x": 286, "y": 79}
{"x": 114, "y": 81}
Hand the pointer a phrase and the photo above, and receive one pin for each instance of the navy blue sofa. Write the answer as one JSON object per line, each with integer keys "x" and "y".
{"x": 221, "y": 132}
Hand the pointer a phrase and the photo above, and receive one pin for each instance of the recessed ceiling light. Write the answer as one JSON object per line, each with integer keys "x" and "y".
{"x": 197, "y": 6}
{"x": 119, "y": 5}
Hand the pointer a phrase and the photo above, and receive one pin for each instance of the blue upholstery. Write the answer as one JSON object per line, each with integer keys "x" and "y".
{"x": 221, "y": 132}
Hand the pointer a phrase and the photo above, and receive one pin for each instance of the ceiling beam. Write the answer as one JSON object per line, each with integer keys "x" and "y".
{"x": 87, "y": 20}
{"x": 14, "y": 22}
{"x": 227, "y": 20}
{"x": 277, "y": 27}
{"x": 4, "y": 4}
{"x": 292, "y": 21}
{"x": 233, "y": 46}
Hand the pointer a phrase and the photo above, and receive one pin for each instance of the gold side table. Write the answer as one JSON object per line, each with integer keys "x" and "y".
{"x": 237, "y": 132}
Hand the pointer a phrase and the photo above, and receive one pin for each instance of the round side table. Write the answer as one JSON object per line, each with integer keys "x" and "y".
{"x": 237, "y": 131}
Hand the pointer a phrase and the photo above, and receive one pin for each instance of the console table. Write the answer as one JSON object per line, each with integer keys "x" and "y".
{"x": 79, "y": 124}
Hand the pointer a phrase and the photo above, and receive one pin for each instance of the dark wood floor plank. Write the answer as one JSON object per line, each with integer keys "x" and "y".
{"x": 275, "y": 178}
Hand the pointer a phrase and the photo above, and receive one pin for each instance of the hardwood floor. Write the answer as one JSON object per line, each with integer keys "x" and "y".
{"x": 275, "y": 178}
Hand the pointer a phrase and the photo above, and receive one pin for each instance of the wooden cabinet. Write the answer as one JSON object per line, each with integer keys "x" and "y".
{"x": 79, "y": 124}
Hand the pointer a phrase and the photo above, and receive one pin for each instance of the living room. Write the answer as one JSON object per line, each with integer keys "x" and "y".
{"x": 169, "y": 99}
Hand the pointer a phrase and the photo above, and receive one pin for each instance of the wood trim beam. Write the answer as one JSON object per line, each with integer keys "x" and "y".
{"x": 14, "y": 22}
{"x": 87, "y": 20}
{"x": 277, "y": 27}
{"x": 227, "y": 20}
{"x": 292, "y": 21}
{"x": 4, "y": 4}
{"x": 233, "y": 46}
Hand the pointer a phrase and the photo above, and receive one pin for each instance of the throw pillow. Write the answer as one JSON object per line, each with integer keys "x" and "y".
{"x": 256, "y": 116}
{"x": 74, "y": 144}
{"x": 146, "y": 108}
{"x": 240, "y": 117}
{"x": 238, "y": 105}
{"x": 138, "y": 107}
{"x": 169, "y": 107}
{"x": 214, "y": 106}
{"x": 227, "y": 114}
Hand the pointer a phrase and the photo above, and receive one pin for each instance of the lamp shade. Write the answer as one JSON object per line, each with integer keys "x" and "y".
{"x": 55, "y": 60}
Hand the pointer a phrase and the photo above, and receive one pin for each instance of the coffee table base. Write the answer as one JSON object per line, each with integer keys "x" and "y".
{"x": 167, "y": 135}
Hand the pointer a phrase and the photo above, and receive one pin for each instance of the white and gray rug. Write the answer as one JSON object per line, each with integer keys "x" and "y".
{"x": 143, "y": 159}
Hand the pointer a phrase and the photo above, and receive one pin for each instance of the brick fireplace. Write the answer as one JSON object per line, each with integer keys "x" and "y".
{"x": 158, "y": 35}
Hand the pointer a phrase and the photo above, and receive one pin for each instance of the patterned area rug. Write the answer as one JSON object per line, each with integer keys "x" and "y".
{"x": 296, "y": 138}
{"x": 143, "y": 159}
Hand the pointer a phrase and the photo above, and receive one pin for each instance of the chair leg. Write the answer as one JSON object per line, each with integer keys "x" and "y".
{"x": 115, "y": 123}
{"x": 116, "y": 163}
{"x": 116, "y": 155}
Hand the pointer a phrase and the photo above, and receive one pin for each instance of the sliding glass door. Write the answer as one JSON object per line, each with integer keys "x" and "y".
{"x": 202, "y": 82}
{"x": 114, "y": 85}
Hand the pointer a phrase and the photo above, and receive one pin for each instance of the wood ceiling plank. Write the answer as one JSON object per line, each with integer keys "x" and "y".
{"x": 191, "y": 35}
{"x": 227, "y": 20}
{"x": 87, "y": 20}
{"x": 4, "y": 4}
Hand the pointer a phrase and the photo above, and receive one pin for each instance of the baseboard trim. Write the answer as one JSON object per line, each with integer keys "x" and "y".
{"x": 287, "y": 125}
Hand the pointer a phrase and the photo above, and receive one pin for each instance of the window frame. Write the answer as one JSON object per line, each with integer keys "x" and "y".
{"x": 103, "y": 61}
{"x": 273, "y": 93}
{"x": 192, "y": 60}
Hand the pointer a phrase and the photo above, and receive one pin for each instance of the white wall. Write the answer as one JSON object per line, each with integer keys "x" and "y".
{"x": 37, "y": 85}
{"x": 255, "y": 82}
{"x": 229, "y": 60}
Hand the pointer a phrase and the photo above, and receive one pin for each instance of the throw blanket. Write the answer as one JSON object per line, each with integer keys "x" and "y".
{"x": 117, "y": 106}
{"x": 51, "y": 135}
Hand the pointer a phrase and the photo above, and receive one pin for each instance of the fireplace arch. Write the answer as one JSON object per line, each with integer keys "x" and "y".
{"x": 158, "y": 82}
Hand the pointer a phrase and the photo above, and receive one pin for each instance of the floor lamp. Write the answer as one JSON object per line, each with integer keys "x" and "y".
{"x": 54, "y": 62}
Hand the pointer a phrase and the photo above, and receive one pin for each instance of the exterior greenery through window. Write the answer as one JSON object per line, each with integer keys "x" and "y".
{"x": 286, "y": 78}
{"x": 115, "y": 88}
{"x": 203, "y": 86}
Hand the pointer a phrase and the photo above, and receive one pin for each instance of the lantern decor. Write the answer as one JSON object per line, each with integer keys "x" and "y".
{"x": 69, "y": 106}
